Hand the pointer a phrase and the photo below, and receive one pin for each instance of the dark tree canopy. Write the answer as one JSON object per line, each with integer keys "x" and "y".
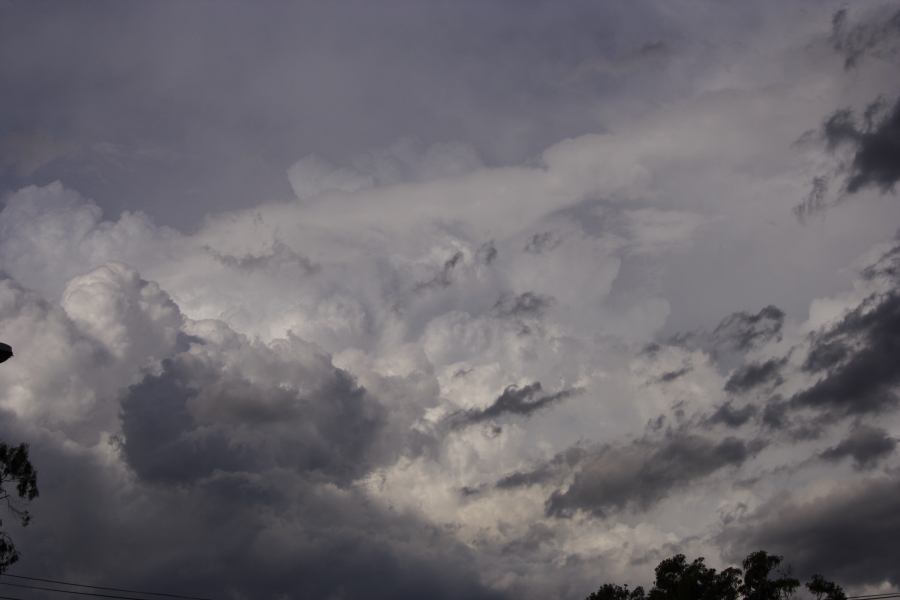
{"x": 762, "y": 578}
{"x": 16, "y": 471}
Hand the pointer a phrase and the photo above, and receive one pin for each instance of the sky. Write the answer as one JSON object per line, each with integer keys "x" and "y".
{"x": 433, "y": 299}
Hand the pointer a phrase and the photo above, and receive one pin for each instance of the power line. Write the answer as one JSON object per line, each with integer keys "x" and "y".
{"x": 875, "y": 596}
{"x": 50, "y": 589}
{"x": 100, "y": 587}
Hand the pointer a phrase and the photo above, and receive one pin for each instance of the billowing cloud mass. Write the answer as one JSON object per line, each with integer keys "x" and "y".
{"x": 450, "y": 300}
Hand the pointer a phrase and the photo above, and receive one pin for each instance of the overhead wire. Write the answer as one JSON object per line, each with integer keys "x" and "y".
{"x": 101, "y": 587}
{"x": 75, "y": 592}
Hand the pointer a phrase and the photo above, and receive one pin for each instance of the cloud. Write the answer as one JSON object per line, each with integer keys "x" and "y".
{"x": 443, "y": 277}
{"x": 544, "y": 241}
{"x": 743, "y": 330}
{"x": 514, "y": 401}
{"x": 866, "y": 445}
{"x": 753, "y": 375}
{"x": 848, "y": 533}
{"x": 524, "y": 305}
{"x": 191, "y": 448}
{"x": 854, "y": 359}
{"x": 559, "y": 466}
{"x": 673, "y": 375}
{"x": 288, "y": 380}
{"x": 878, "y": 34}
{"x": 403, "y": 161}
{"x": 50, "y": 234}
{"x": 279, "y": 256}
{"x": 290, "y": 535}
{"x": 874, "y": 146}
{"x": 640, "y": 474}
{"x": 730, "y": 416}
{"x": 204, "y": 413}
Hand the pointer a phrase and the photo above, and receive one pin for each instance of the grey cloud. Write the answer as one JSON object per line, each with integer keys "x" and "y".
{"x": 887, "y": 266}
{"x": 727, "y": 414}
{"x": 233, "y": 452}
{"x": 559, "y": 466}
{"x": 291, "y": 537}
{"x": 753, "y": 375}
{"x": 669, "y": 376}
{"x": 775, "y": 413}
{"x": 280, "y": 255}
{"x": 875, "y": 146}
{"x": 865, "y": 444}
{"x": 857, "y": 359}
{"x": 641, "y": 474}
{"x": 515, "y": 401}
{"x": 196, "y": 418}
{"x": 743, "y": 330}
{"x": 144, "y": 113}
{"x": 850, "y": 534}
{"x": 879, "y": 35}
{"x": 542, "y": 242}
{"x": 487, "y": 252}
{"x": 650, "y": 349}
{"x": 444, "y": 277}
{"x": 733, "y": 336}
{"x": 524, "y": 305}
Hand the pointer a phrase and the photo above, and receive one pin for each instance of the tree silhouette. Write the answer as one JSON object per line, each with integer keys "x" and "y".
{"x": 610, "y": 591}
{"x": 762, "y": 578}
{"x": 678, "y": 580}
{"x": 758, "y": 584}
{"x": 825, "y": 590}
{"x": 15, "y": 468}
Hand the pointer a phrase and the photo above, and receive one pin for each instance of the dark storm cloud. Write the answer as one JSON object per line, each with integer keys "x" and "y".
{"x": 850, "y": 534}
{"x": 246, "y": 426}
{"x": 525, "y": 305}
{"x": 743, "y": 330}
{"x": 753, "y": 375}
{"x": 878, "y": 35}
{"x": 865, "y": 444}
{"x": 775, "y": 413}
{"x": 857, "y": 360}
{"x": 875, "y": 146}
{"x": 639, "y": 475}
{"x": 269, "y": 534}
{"x": 730, "y": 416}
{"x": 514, "y": 401}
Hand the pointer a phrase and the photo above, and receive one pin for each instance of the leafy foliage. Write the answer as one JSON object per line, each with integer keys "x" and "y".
{"x": 16, "y": 469}
{"x": 762, "y": 578}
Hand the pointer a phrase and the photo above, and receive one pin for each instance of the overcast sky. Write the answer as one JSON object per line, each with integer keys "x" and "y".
{"x": 442, "y": 299}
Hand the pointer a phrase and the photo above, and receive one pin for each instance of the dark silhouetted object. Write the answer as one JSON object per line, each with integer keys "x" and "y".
{"x": 825, "y": 590}
{"x": 16, "y": 470}
{"x": 609, "y": 591}
{"x": 759, "y": 568}
{"x": 761, "y": 579}
{"x": 5, "y": 352}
